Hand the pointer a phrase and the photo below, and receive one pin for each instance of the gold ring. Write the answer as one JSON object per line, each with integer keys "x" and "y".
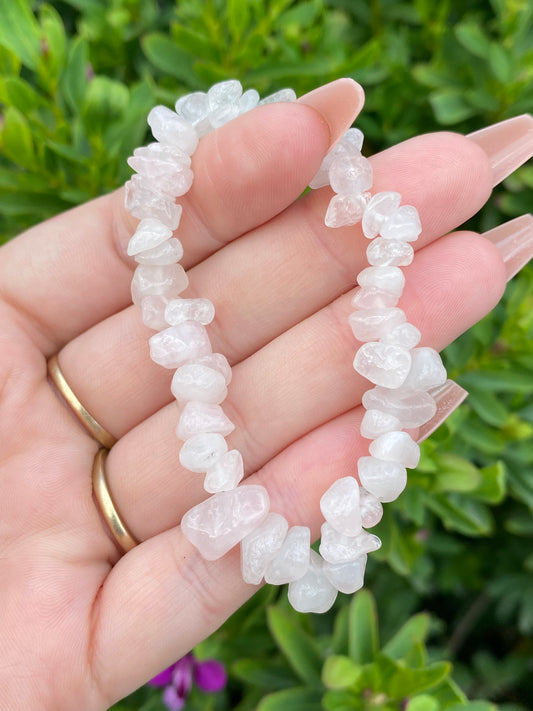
{"x": 96, "y": 430}
{"x": 118, "y": 529}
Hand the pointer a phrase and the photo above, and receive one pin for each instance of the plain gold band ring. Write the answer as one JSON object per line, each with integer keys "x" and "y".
{"x": 96, "y": 430}
{"x": 118, "y": 529}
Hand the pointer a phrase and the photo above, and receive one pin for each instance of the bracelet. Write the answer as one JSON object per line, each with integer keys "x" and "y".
{"x": 403, "y": 374}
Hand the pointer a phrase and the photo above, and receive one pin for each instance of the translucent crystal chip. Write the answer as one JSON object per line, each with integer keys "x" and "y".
{"x": 350, "y": 174}
{"x": 377, "y": 422}
{"x": 224, "y": 519}
{"x": 226, "y": 473}
{"x": 217, "y": 361}
{"x": 259, "y": 547}
{"x": 372, "y": 297}
{"x": 143, "y": 201}
{"x": 427, "y": 370}
{"x": 180, "y": 310}
{"x": 193, "y": 107}
{"x": 222, "y": 115}
{"x": 371, "y": 324}
{"x": 386, "y": 480}
{"x": 396, "y": 447}
{"x": 168, "y": 252}
{"x": 383, "y": 252}
{"x": 390, "y": 279}
{"x": 340, "y": 506}
{"x": 224, "y": 93}
{"x": 292, "y": 559}
{"x": 153, "y": 312}
{"x": 405, "y": 334}
{"x": 313, "y": 592}
{"x": 383, "y": 364}
{"x": 281, "y": 95}
{"x": 371, "y": 508}
{"x": 349, "y": 144}
{"x": 149, "y": 234}
{"x": 248, "y": 101}
{"x": 167, "y": 127}
{"x": 193, "y": 381}
{"x": 412, "y": 407}
{"x": 197, "y": 417}
{"x": 379, "y": 208}
{"x": 201, "y": 451}
{"x": 159, "y": 159}
{"x": 345, "y": 210}
{"x": 158, "y": 280}
{"x": 335, "y": 547}
{"x": 177, "y": 344}
{"x": 403, "y": 224}
{"x": 347, "y": 577}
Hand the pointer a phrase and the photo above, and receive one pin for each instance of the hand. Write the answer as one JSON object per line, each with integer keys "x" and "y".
{"x": 80, "y": 625}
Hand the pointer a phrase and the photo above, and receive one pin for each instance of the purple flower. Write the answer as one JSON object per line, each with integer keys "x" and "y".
{"x": 177, "y": 679}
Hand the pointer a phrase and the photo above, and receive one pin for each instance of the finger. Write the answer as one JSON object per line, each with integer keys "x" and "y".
{"x": 79, "y": 273}
{"x": 298, "y": 266}
{"x": 302, "y": 379}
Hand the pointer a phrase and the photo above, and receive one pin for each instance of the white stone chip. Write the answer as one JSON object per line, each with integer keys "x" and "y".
{"x": 379, "y": 208}
{"x": 226, "y": 473}
{"x": 201, "y": 451}
{"x": 158, "y": 159}
{"x": 175, "y": 345}
{"x": 281, "y": 95}
{"x": 217, "y": 361}
{"x": 167, "y": 127}
{"x": 313, "y": 592}
{"x": 427, "y": 370}
{"x": 345, "y": 210}
{"x": 383, "y": 364}
{"x": 168, "y": 252}
{"x": 224, "y": 519}
{"x": 149, "y": 234}
{"x": 153, "y": 312}
{"x": 224, "y": 93}
{"x": 350, "y": 144}
{"x": 180, "y": 310}
{"x": 371, "y": 509}
{"x": 371, "y": 324}
{"x": 386, "y": 480}
{"x": 383, "y": 252}
{"x": 387, "y": 278}
{"x": 167, "y": 280}
{"x": 143, "y": 201}
{"x": 338, "y": 548}
{"x": 405, "y": 334}
{"x": 260, "y": 546}
{"x": 403, "y": 224}
{"x": 412, "y": 407}
{"x": 396, "y": 447}
{"x": 350, "y": 174}
{"x": 372, "y": 297}
{"x": 224, "y": 114}
{"x": 377, "y": 422}
{"x": 340, "y": 506}
{"x": 194, "y": 381}
{"x": 193, "y": 107}
{"x": 291, "y": 562}
{"x": 197, "y": 417}
{"x": 347, "y": 577}
{"x": 248, "y": 101}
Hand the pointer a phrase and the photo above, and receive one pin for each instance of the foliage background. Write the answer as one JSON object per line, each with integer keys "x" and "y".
{"x": 77, "y": 78}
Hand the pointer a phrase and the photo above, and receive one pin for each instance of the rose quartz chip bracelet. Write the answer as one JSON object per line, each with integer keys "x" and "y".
{"x": 403, "y": 374}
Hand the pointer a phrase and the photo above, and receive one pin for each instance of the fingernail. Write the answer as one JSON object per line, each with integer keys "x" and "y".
{"x": 338, "y": 102}
{"x": 508, "y": 144}
{"x": 514, "y": 239}
{"x": 448, "y": 398}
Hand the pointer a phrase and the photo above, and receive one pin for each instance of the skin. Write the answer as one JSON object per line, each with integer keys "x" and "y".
{"x": 77, "y": 619}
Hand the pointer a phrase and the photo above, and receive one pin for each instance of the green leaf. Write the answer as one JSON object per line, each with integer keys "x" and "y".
{"x": 448, "y": 693}
{"x": 459, "y": 513}
{"x": 165, "y": 55}
{"x": 75, "y": 79}
{"x": 104, "y": 101}
{"x": 340, "y": 672}
{"x": 298, "y": 648}
{"x": 501, "y": 63}
{"x": 363, "y": 642}
{"x": 470, "y": 35}
{"x": 17, "y": 92}
{"x": 267, "y": 676}
{"x": 488, "y": 407}
{"x": 337, "y": 700}
{"x": 19, "y": 31}
{"x": 423, "y": 703}
{"x": 399, "y": 681}
{"x": 297, "y": 699}
{"x": 238, "y": 13}
{"x": 413, "y": 632}
{"x": 473, "y": 706}
{"x": 450, "y": 106}
{"x": 517, "y": 380}
{"x": 55, "y": 40}
{"x": 455, "y": 473}
{"x": 492, "y": 487}
{"x": 339, "y": 642}
{"x": 16, "y": 139}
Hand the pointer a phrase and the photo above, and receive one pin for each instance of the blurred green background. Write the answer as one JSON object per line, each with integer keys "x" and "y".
{"x": 450, "y": 613}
